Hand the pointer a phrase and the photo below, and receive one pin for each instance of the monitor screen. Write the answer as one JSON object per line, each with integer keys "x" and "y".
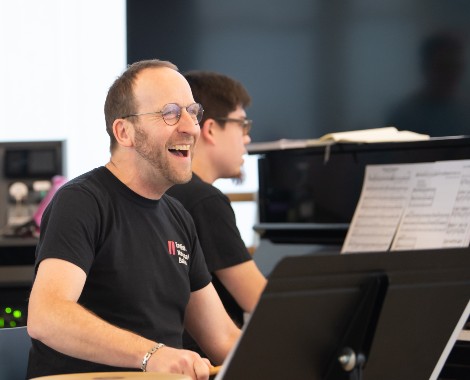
{"x": 31, "y": 163}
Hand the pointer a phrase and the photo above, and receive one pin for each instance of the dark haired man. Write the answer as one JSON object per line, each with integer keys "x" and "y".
{"x": 219, "y": 154}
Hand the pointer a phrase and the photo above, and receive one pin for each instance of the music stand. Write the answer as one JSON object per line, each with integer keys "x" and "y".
{"x": 364, "y": 316}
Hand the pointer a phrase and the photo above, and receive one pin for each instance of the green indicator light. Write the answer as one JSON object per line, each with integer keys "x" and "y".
{"x": 8, "y": 310}
{"x": 12, "y": 324}
{"x": 17, "y": 313}
{"x": 2, "y": 323}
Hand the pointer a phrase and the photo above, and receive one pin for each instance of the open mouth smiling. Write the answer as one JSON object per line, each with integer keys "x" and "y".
{"x": 179, "y": 150}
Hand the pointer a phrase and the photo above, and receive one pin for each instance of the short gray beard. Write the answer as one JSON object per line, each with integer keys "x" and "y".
{"x": 157, "y": 159}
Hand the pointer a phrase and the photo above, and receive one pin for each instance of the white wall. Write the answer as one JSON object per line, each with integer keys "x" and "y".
{"x": 245, "y": 212}
{"x": 57, "y": 61}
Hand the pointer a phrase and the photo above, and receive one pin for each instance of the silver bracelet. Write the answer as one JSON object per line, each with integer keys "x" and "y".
{"x": 147, "y": 356}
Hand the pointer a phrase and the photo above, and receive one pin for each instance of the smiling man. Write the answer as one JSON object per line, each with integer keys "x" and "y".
{"x": 119, "y": 268}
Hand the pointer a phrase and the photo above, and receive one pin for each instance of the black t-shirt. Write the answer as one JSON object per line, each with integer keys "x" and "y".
{"x": 142, "y": 259}
{"x": 218, "y": 233}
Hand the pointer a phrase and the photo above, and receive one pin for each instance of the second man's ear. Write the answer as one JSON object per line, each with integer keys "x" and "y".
{"x": 209, "y": 130}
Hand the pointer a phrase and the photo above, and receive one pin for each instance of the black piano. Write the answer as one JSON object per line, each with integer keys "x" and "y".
{"x": 307, "y": 198}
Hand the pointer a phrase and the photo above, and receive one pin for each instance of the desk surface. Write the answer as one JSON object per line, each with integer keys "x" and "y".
{"x": 18, "y": 241}
{"x": 115, "y": 376}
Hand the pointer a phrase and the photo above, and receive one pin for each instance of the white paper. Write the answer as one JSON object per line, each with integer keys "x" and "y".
{"x": 412, "y": 206}
{"x": 438, "y": 212}
{"x": 374, "y": 135}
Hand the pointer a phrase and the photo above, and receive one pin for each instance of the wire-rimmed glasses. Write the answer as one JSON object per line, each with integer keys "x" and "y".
{"x": 171, "y": 113}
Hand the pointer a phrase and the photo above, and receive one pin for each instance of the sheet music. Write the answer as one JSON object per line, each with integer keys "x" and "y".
{"x": 412, "y": 206}
{"x": 385, "y": 193}
{"x": 438, "y": 211}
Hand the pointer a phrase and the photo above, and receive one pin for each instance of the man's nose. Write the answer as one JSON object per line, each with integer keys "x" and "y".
{"x": 187, "y": 124}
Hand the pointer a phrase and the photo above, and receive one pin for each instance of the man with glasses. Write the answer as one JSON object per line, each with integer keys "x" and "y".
{"x": 119, "y": 269}
{"x": 219, "y": 154}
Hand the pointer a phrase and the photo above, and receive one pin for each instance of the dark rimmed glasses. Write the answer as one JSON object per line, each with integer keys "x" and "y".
{"x": 246, "y": 124}
{"x": 171, "y": 113}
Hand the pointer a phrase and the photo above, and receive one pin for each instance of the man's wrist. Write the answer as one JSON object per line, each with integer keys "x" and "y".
{"x": 148, "y": 355}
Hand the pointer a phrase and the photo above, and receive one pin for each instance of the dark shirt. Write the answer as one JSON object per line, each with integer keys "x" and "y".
{"x": 142, "y": 259}
{"x": 218, "y": 234}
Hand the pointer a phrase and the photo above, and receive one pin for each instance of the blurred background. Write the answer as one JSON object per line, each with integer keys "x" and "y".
{"x": 319, "y": 66}
{"x": 312, "y": 67}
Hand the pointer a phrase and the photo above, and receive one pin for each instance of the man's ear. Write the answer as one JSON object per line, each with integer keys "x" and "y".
{"x": 123, "y": 132}
{"x": 209, "y": 131}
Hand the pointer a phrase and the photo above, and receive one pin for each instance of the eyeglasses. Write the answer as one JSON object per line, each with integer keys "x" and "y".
{"x": 246, "y": 124}
{"x": 171, "y": 113}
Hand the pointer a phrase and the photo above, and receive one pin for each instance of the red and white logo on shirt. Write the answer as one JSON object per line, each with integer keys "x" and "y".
{"x": 175, "y": 248}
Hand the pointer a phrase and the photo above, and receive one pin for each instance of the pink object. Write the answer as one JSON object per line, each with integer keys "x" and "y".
{"x": 57, "y": 182}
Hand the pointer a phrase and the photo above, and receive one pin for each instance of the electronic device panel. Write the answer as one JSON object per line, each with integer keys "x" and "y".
{"x": 27, "y": 169}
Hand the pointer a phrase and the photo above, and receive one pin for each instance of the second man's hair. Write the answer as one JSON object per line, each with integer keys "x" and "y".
{"x": 218, "y": 93}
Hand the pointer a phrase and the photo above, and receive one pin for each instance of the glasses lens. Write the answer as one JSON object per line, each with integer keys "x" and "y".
{"x": 171, "y": 113}
{"x": 195, "y": 110}
{"x": 247, "y": 127}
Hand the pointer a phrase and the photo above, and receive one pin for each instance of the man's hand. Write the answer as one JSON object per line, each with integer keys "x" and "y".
{"x": 172, "y": 360}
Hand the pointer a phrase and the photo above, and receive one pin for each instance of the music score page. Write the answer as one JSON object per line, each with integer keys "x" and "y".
{"x": 412, "y": 206}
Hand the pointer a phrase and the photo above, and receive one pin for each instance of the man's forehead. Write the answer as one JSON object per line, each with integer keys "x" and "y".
{"x": 161, "y": 82}
{"x": 154, "y": 74}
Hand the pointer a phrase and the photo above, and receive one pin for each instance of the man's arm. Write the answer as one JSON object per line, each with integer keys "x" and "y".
{"x": 56, "y": 319}
{"x": 210, "y": 325}
{"x": 244, "y": 282}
